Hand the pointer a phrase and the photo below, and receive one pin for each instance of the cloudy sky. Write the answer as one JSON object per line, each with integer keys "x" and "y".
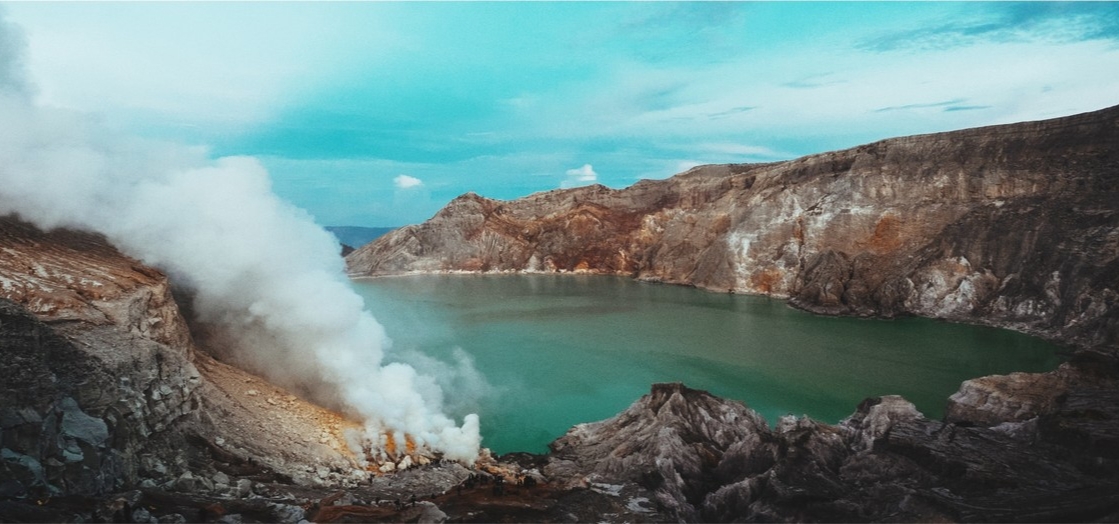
{"x": 377, "y": 114}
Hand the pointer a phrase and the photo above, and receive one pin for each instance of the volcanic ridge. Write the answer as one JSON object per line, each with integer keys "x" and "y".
{"x": 114, "y": 407}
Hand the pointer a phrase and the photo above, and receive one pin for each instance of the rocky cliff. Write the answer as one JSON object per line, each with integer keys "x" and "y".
{"x": 104, "y": 388}
{"x": 1014, "y": 225}
{"x": 84, "y": 396}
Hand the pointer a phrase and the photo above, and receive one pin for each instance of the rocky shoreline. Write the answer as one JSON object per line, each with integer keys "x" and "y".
{"x": 1013, "y": 226}
{"x": 115, "y": 416}
{"x": 111, "y": 410}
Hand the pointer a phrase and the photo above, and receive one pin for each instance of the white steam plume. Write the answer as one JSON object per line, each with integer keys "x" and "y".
{"x": 260, "y": 269}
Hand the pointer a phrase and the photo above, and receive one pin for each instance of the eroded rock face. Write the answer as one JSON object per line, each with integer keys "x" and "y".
{"x": 1014, "y": 225}
{"x": 701, "y": 458}
{"x": 103, "y": 388}
{"x": 86, "y": 395}
{"x": 671, "y": 442}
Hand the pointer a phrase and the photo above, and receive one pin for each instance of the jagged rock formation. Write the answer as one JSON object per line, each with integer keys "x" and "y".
{"x": 706, "y": 459}
{"x": 1014, "y": 225}
{"x": 671, "y": 441}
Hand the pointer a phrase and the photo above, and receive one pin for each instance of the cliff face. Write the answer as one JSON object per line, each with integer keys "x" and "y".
{"x": 1014, "y": 225}
{"x": 84, "y": 396}
{"x": 104, "y": 388}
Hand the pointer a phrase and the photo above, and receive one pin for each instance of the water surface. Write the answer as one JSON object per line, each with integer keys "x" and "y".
{"x": 564, "y": 349}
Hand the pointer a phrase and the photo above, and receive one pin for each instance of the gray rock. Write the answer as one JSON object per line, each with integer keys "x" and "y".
{"x": 22, "y": 468}
{"x": 142, "y": 515}
{"x": 287, "y": 513}
{"x": 78, "y": 425}
{"x": 1017, "y": 397}
{"x": 654, "y": 443}
{"x": 244, "y": 488}
{"x": 187, "y": 483}
{"x": 708, "y": 459}
{"x": 220, "y": 478}
{"x": 424, "y": 512}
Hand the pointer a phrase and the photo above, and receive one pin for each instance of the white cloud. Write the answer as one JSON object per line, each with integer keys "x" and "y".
{"x": 407, "y": 182}
{"x": 768, "y": 98}
{"x": 580, "y": 176}
{"x": 201, "y": 65}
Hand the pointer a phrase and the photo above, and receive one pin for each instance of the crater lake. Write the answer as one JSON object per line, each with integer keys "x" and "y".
{"x": 553, "y": 351}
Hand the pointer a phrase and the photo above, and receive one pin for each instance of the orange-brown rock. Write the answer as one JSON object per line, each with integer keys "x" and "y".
{"x": 1014, "y": 225}
{"x": 104, "y": 388}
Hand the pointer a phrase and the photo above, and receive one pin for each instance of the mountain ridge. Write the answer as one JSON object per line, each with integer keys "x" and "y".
{"x": 114, "y": 411}
{"x": 1014, "y": 225}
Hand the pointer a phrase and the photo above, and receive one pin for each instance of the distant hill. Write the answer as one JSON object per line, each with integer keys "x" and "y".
{"x": 357, "y": 236}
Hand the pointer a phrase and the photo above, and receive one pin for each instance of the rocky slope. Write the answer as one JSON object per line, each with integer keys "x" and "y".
{"x": 1014, "y": 225}
{"x": 82, "y": 427}
{"x": 695, "y": 457}
{"x": 105, "y": 389}
{"x": 110, "y": 411}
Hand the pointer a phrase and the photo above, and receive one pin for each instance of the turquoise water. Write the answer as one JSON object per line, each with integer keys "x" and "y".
{"x": 560, "y": 350}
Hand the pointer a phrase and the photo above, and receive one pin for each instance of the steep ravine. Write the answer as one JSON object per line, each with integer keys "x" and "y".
{"x": 1014, "y": 225}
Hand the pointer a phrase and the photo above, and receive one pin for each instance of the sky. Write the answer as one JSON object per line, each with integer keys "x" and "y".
{"x": 379, "y": 113}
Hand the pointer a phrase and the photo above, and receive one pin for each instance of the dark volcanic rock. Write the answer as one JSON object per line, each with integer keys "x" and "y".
{"x": 1014, "y": 225}
{"x": 671, "y": 442}
{"x": 72, "y": 423}
{"x": 708, "y": 459}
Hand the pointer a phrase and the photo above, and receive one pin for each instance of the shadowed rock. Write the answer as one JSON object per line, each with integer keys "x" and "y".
{"x": 709, "y": 459}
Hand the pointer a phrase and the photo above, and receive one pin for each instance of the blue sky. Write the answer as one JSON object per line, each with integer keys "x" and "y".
{"x": 377, "y": 114}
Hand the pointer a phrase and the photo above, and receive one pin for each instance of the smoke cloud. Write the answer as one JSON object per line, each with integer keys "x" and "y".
{"x": 263, "y": 274}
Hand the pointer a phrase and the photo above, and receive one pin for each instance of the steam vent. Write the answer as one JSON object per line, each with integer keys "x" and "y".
{"x": 124, "y": 400}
